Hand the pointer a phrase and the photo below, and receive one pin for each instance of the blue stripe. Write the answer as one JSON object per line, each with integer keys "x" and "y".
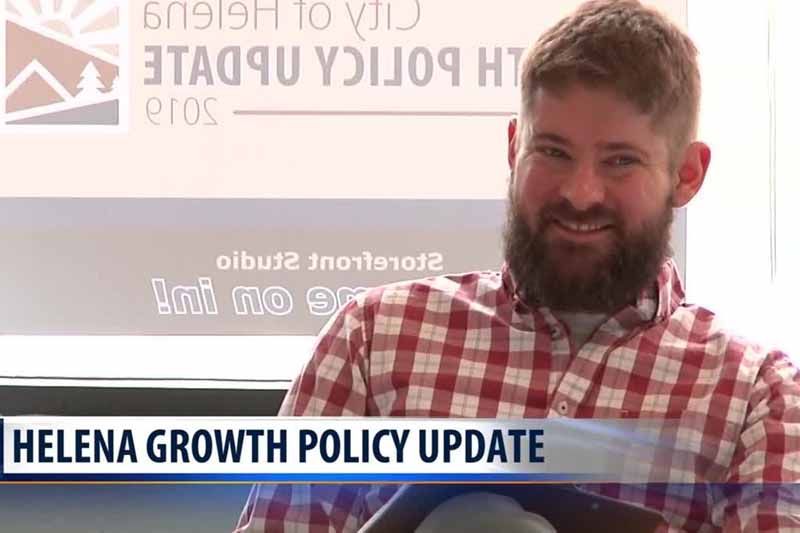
{"x": 2, "y": 450}
{"x": 306, "y": 478}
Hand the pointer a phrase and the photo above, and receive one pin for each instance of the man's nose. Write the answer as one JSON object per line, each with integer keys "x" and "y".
{"x": 584, "y": 187}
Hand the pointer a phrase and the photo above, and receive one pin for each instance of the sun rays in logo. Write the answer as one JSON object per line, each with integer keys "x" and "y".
{"x": 92, "y": 24}
{"x": 65, "y": 62}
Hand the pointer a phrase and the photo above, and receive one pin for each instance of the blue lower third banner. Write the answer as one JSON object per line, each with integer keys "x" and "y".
{"x": 336, "y": 450}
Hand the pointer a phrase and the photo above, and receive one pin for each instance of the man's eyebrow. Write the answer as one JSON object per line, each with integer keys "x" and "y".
{"x": 550, "y": 137}
{"x": 546, "y": 136}
{"x": 613, "y": 146}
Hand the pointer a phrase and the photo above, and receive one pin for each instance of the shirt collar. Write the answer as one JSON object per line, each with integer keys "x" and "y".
{"x": 655, "y": 303}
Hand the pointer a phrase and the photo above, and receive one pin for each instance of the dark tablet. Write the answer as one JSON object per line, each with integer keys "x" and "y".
{"x": 566, "y": 507}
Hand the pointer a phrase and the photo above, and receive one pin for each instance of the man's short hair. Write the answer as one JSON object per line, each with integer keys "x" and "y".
{"x": 631, "y": 48}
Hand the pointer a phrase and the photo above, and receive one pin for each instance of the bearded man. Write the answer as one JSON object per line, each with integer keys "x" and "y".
{"x": 587, "y": 318}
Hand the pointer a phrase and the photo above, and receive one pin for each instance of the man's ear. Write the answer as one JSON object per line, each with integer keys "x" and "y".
{"x": 512, "y": 143}
{"x": 691, "y": 173}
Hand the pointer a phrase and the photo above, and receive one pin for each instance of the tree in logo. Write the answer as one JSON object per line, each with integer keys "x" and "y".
{"x": 90, "y": 83}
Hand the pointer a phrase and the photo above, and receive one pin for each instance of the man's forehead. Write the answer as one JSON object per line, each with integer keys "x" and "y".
{"x": 579, "y": 115}
{"x": 565, "y": 93}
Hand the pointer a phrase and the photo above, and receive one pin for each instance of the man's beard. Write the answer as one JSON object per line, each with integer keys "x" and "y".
{"x": 608, "y": 280}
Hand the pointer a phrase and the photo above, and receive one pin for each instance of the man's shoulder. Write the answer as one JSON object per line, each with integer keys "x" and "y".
{"x": 701, "y": 326}
{"x": 442, "y": 293}
{"x": 432, "y": 300}
{"x": 465, "y": 284}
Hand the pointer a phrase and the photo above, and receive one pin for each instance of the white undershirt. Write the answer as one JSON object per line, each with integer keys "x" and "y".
{"x": 581, "y": 325}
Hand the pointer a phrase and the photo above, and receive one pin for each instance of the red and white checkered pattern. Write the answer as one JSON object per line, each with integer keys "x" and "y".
{"x": 467, "y": 346}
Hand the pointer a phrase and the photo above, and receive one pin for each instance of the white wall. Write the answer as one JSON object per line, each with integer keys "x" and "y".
{"x": 732, "y": 267}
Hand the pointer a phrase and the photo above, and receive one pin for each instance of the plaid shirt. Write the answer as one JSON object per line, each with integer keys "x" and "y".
{"x": 467, "y": 346}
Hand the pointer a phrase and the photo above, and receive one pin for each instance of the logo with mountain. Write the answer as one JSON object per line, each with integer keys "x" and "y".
{"x": 62, "y": 62}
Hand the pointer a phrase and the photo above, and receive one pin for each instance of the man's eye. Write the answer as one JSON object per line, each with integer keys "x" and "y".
{"x": 550, "y": 151}
{"x": 622, "y": 161}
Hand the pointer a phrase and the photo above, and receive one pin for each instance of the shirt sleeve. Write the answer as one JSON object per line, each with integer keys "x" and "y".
{"x": 763, "y": 490}
{"x": 332, "y": 383}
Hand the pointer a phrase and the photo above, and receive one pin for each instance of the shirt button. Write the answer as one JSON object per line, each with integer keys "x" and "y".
{"x": 555, "y": 333}
{"x": 563, "y": 407}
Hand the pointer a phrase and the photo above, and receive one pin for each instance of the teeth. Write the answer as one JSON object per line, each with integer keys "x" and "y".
{"x": 581, "y": 227}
